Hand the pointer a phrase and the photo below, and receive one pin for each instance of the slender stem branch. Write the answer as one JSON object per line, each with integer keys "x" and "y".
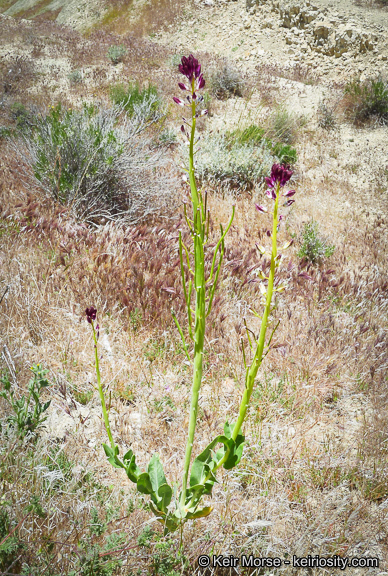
{"x": 252, "y": 372}
{"x": 100, "y": 390}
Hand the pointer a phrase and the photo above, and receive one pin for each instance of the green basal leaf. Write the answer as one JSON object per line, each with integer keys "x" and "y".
{"x": 156, "y": 474}
{"x": 165, "y": 495}
{"x": 144, "y": 484}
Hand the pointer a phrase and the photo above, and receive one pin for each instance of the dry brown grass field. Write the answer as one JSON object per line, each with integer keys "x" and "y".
{"x": 313, "y": 479}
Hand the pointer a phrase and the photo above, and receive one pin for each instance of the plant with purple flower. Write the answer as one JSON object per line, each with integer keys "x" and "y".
{"x": 199, "y": 286}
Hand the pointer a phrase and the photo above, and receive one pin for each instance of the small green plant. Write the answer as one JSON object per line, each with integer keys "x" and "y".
{"x": 75, "y": 77}
{"x": 135, "y": 319}
{"x": 4, "y": 132}
{"x": 145, "y": 537}
{"x": 226, "y": 81}
{"x": 365, "y": 100}
{"x": 10, "y": 543}
{"x": 83, "y": 396}
{"x": 132, "y": 98}
{"x": 168, "y": 138}
{"x": 283, "y": 125}
{"x": 116, "y": 53}
{"x": 20, "y": 115}
{"x": 28, "y": 412}
{"x": 326, "y": 116}
{"x": 199, "y": 280}
{"x": 313, "y": 247}
{"x": 163, "y": 402}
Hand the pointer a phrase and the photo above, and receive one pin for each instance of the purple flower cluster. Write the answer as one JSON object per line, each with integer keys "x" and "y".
{"x": 91, "y": 314}
{"x": 280, "y": 175}
{"x": 191, "y": 68}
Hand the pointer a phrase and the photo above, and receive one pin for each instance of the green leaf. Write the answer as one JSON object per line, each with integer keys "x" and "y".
{"x": 199, "y": 513}
{"x": 144, "y": 484}
{"x": 228, "y": 430}
{"x": 132, "y": 470}
{"x": 112, "y": 455}
{"x": 236, "y": 450}
{"x": 165, "y": 495}
{"x": 198, "y": 471}
{"x": 156, "y": 474}
{"x": 46, "y": 405}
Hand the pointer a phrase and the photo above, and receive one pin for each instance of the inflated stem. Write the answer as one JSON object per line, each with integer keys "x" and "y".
{"x": 100, "y": 390}
{"x": 258, "y": 357}
{"x": 200, "y": 301}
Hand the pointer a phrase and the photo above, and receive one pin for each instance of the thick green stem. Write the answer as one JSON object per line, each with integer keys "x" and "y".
{"x": 101, "y": 392}
{"x": 258, "y": 357}
{"x": 200, "y": 313}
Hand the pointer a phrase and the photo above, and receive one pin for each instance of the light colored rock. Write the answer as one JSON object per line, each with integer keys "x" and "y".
{"x": 59, "y": 424}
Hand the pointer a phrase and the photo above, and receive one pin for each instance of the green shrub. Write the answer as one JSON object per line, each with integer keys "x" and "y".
{"x": 133, "y": 99}
{"x": 365, "y": 100}
{"x": 283, "y": 125}
{"x": 75, "y": 77}
{"x": 222, "y": 159}
{"x": 116, "y": 53}
{"x": 226, "y": 81}
{"x": 27, "y": 411}
{"x": 74, "y": 153}
{"x": 255, "y": 136}
{"x": 99, "y": 162}
{"x": 326, "y": 116}
{"x": 314, "y": 247}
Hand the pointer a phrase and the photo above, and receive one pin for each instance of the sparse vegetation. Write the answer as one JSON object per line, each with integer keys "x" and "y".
{"x": 326, "y": 116}
{"x": 239, "y": 159}
{"x": 283, "y": 125}
{"x": 314, "y": 247}
{"x": 236, "y": 166}
{"x": 367, "y": 100}
{"x": 226, "y": 81}
{"x": 135, "y": 100}
{"x": 92, "y": 160}
{"x": 116, "y": 53}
